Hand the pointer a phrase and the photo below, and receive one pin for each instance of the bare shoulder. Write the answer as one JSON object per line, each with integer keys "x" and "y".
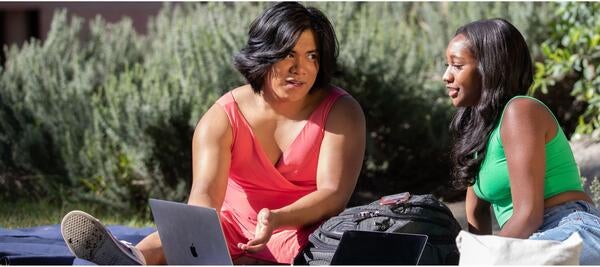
{"x": 213, "y": 126}
{"x": 215, "y": 119}
{"x": 242, "y": 94}
{"x": 346, "y": 113}
{"x": 527, "y": 117}
{"x": 526, "y": 110}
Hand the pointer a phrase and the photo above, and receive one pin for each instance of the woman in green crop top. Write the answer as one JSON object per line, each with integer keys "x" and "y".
{"x": 508, "y": 150}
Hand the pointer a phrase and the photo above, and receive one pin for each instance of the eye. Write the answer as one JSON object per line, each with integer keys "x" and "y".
{"x": 290, "y": 55}
{"x": 457, "y": 66}
{"x": 313, "y": 56}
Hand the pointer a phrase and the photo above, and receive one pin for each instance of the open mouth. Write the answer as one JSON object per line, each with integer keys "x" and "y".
{"x": 294, "y": 83}
{"x": 452, "y": 92}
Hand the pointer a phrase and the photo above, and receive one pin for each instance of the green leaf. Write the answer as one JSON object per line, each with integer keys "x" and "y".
{"x": 589, "y": 72}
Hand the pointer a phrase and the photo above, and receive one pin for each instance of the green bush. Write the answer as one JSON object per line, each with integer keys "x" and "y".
{"x": 46, "y": 89}
{"x": 147, "y": 113}
{"x": 571, "y": 67}
{"x": 110, "y": 119}
{"x": 571, "y": 61}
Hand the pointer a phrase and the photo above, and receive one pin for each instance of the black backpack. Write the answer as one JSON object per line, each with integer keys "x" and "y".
{"x": 420, "y": 214}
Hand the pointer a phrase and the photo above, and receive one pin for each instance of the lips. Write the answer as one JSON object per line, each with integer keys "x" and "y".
{"x": 294, "y": 83}
{"x": 452, "y": 92}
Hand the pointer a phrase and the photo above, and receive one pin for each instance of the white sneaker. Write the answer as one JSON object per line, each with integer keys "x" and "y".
{"x": 88, "y": 239}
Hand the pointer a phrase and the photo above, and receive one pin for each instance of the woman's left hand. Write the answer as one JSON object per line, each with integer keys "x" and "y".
{"x": 262, "y": 234}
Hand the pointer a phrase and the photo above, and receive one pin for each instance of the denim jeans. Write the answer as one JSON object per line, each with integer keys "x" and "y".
{"x": 576, "y": 216}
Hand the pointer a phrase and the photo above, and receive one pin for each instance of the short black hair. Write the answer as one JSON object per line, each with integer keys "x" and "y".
{"x": 273, "y": 35}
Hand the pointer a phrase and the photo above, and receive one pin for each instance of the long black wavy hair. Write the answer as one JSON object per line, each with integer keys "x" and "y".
{"x": 273, "y": 35}
{"x": 506, "y": 70}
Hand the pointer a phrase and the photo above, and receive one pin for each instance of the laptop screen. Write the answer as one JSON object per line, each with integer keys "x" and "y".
{"x": 379, "y": 248}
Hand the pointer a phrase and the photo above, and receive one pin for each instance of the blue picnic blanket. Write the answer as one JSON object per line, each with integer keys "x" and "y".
{"x": 45, "y": 245}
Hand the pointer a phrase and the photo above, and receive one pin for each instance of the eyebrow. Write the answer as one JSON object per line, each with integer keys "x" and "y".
{"x": 311, "y": 51}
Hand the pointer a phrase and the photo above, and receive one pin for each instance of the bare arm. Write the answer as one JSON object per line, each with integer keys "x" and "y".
{"x": 210, "y": 163}
{"x": 340, "y": 161}
{"x": 478, "y": 214}
{"x": 211, "y": 157}
{"x": 523, "y": 132}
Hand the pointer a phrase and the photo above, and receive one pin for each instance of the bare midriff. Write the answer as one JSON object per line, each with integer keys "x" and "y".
{"x": 565, "y": 197}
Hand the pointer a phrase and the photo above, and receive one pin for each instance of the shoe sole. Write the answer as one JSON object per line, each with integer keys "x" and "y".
{"x": 88, "y": 239}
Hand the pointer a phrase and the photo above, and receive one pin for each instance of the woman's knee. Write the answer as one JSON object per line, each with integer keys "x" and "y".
{"x": 151, "y": 248}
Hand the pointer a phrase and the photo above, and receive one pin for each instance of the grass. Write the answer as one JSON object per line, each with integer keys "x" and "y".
{"x": 27, "y": 213}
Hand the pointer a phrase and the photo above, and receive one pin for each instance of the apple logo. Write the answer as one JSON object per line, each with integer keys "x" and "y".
{"x": 193, "y": 250}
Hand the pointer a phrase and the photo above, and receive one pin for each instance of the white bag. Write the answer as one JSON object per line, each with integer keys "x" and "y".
{"x": 496, "y": 250}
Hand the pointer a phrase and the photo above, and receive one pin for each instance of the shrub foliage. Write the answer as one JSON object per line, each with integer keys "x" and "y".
{"x": 110, "y": 118}
{"x": 569, "y": 74}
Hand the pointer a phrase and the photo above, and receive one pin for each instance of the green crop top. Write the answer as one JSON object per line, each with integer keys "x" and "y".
{"x": 492, "y": 183}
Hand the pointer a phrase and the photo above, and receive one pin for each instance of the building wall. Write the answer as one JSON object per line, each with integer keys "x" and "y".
{"x": 20, "y": 21}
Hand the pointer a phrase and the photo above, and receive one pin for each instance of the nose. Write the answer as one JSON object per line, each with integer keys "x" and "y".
{"x": 448, "y": 77}
{"x": 299, "y": 66}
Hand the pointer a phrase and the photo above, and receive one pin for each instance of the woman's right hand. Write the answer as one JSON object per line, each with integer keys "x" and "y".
{"x": 264, "y": 229}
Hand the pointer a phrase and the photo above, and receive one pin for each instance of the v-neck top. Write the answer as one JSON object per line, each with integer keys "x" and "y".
{"x": 255, "y": 183}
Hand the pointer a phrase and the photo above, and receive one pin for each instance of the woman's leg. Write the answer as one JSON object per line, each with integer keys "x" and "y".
{"x": 245, "y": 260}
{"x": 151, "y": 248}
{"x": 572, "y": 217}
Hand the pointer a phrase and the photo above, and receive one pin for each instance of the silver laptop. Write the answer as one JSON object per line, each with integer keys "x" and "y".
{"x": 190, "y": 235}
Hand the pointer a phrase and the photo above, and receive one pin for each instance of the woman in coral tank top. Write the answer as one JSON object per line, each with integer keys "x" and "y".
{"x": 275, "y": 156}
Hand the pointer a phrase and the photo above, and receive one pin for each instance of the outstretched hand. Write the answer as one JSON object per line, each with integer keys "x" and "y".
{"x": 262, "y": 234}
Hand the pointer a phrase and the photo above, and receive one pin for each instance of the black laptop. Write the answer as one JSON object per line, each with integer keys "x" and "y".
{"x": 379, "y": 248}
